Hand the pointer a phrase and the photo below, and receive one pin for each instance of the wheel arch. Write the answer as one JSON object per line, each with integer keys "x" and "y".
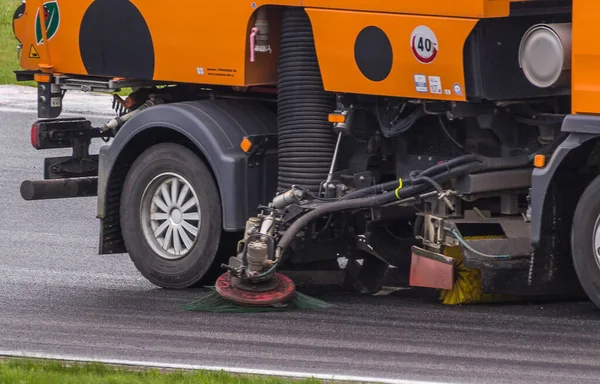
{"x": 213, "y": 129}
{"x": 556, "y": 191}
{"x": 574, "y": 163}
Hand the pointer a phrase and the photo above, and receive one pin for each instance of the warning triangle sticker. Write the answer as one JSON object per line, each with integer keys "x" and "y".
{"x": 33, "y": 53}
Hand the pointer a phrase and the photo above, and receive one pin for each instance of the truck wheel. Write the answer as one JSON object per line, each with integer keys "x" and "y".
{"x": 585, "y": 241}
{"x": 171, "y": 216}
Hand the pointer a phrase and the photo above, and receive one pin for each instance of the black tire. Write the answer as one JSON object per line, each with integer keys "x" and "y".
{"x": 584, "y": 255}
{"x": 193, "y": 269}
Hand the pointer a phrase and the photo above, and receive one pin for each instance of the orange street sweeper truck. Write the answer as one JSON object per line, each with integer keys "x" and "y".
{"x": 452, "y": 145}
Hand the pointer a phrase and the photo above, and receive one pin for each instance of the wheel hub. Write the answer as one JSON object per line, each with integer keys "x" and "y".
{"x": 597, "y": 241}
{"x": 176, "y": 216}
{"x": 171, "y": 216}
{"x": 278, "y": 290}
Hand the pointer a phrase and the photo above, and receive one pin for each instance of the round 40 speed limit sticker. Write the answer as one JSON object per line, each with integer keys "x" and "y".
{"x": 424, "y": 44}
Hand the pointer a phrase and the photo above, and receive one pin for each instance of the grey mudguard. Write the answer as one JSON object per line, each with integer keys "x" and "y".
{"x": 583, "y": 128}
{"x": 216, "y": 127}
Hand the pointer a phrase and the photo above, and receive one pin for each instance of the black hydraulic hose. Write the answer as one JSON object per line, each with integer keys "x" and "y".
{"x": 372, "y": 190}
{"x": 436, "y": 169}
{"x": 415, "y": 180}
{"x": 390, "y": 185}
{"x": 488, "y": 163}
{"x": 414, "y": 190}
{"x": 445, "y": 165}
{"x": 369, "y": 202}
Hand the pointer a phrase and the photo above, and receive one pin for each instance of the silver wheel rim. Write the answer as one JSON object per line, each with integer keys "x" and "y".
{"x": 170, "y": 215}
{"x": 597, "y": 242}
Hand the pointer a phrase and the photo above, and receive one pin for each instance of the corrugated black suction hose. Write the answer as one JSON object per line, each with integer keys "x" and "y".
{"x": 306, "y": 138}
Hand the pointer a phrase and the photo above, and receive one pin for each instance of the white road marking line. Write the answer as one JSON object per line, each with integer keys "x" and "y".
{"x": 247, "y": 371}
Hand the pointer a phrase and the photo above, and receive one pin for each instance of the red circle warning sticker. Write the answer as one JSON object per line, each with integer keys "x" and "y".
{"x": 424, "y": 44}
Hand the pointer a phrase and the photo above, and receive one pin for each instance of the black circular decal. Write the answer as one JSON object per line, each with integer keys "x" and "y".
{"x": 114, "y": 40}
{"x": 373, "y": 53}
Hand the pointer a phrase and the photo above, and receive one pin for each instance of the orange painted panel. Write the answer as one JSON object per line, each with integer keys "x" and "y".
{"x": 586, "y": 57}
{"x": 210, "y": 44}
{"x": 206, "y": 41}
{"x": 341, "y": 73}
{"x": 195, "y": 41}
{"x": 460, "y": 8}
{"x": 62, "y": 49}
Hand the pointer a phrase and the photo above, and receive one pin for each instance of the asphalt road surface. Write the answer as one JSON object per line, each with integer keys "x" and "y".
{"x": 59, "y": 298}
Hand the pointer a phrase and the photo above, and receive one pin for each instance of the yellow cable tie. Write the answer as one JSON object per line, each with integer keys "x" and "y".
{"x": 399, "y": 188}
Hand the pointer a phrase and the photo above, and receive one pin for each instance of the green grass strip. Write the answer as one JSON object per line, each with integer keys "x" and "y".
{"x": 25, "y": 371}
{"x": 9, "y": 60}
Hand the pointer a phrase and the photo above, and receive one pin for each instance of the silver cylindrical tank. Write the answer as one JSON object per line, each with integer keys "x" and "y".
{"x": 545, "y": 54}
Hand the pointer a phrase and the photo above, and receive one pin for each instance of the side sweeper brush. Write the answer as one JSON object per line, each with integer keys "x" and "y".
{"x": 455, "y": 266}
{"x": 273, "y": 292}
{"x": 251, "y": 283}
{"x": 230, "y": 296}
{"x": 467, "y": 287}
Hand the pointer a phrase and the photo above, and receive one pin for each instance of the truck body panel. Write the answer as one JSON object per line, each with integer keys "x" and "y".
{"x": 475, "y": 9}
{"x": 84, "y": 41}
{"x": 373, "y": 53}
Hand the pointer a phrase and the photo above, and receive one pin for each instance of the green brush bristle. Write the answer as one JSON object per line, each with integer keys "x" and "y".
{"x": 212, "y": 302}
